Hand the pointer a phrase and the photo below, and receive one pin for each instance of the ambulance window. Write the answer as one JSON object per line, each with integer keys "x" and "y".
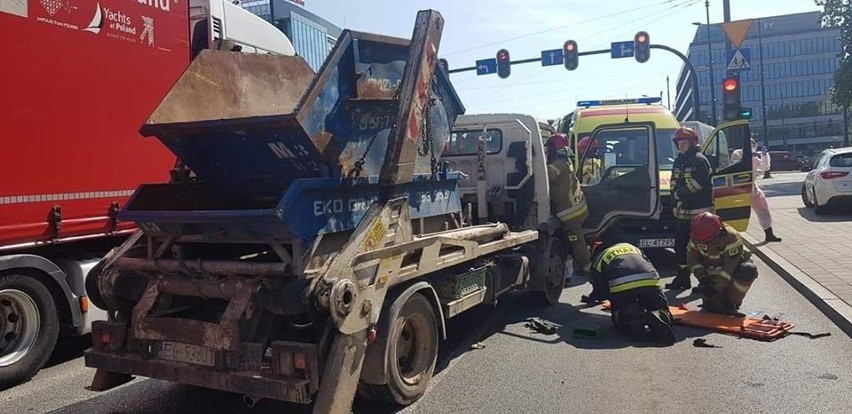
{"x": 465, "y": 142}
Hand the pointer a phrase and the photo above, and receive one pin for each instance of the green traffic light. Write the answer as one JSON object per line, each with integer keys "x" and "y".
{"x": 745, "y": 113}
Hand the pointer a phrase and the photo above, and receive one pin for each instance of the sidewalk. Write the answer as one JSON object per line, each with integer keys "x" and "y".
{"x": 815, "y": 256}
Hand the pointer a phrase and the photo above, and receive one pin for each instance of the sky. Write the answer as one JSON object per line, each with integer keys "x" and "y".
{"x": 477, "y": 29}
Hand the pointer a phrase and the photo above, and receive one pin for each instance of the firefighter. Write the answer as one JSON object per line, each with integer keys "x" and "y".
{"x": 624, "y": 275}
{"x": 591, "y": 163}
{"x": 717, "y": 258}
{"x": 691, "y": 194}
{"x": 567, "y": 200}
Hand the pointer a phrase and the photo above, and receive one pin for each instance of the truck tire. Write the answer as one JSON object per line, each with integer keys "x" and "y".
{"x": 410, "y": 352}
{"x": 92, "y": 289}
{"x": 29, "y": 328}
{"x": 554, "y": 279}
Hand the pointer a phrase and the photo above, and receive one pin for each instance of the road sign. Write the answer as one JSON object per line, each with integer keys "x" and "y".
{"x": 738, "y": 59}
{"x": 621, "y": 49}
{"x": 736, "y": 31}
{"x": 552, "y": 57}
{"x": 486, "y": 66}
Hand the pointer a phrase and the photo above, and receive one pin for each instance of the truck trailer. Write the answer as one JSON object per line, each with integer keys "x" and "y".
{"x": 78, "y": 79}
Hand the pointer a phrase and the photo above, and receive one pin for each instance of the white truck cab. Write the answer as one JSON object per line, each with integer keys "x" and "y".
{"x": 504, "y": 167}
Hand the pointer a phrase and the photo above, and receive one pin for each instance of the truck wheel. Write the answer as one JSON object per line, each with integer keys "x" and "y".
{"x": 411, "y": 350}
{"x": 92, "y": 289}
{"x": 554, "y": 281}
{"x": 29, "y": 327}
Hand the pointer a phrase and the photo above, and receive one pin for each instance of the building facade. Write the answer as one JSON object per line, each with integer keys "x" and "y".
{"x": 799, "y": 58}
{"x": 313, "y": 37}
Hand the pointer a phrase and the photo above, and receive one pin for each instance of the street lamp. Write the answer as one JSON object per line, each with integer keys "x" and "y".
{"x": 710, "y": 64}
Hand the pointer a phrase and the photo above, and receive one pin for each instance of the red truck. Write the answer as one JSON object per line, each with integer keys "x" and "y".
{"x": 78, "y": 81}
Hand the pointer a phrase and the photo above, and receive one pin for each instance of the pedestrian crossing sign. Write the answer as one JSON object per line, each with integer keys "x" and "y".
{"x": 738, "y": 59}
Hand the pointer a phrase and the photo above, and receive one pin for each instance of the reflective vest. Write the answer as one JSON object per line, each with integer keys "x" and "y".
{"x": 624, "y": 267}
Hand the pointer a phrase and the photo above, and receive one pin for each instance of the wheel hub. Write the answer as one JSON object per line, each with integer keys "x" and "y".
{"x": 19, "y": 325}
{"x": 412, "y": 357}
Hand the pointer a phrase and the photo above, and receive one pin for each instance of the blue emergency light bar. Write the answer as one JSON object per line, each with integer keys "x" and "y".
{"x": 646, "y": 100}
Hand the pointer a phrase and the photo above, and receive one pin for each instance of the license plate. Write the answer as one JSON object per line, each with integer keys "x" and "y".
{"x": 656, "y": 243}
{"x": 193, "y": 354}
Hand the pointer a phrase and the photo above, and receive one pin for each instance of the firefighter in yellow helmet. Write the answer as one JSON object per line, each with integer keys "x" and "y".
{"x": 723, "y": 267}
{"x": 567, "y": 201}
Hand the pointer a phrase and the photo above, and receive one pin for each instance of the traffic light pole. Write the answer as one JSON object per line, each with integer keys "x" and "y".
{"x": 692, "y": 74}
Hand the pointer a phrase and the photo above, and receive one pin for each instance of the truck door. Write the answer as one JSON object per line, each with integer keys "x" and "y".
{"x": 728, "y": 148}
{"x": 629, "y": 184}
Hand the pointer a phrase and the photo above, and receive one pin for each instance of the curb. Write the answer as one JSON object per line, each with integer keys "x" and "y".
{"x": 836, "y": 309}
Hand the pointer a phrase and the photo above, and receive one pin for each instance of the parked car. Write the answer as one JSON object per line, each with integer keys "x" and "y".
{"x": 784, "y": 161}
{"x": 830, "y": 181}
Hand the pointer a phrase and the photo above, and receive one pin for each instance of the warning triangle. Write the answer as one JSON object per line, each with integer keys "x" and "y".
{"x": 738, "y": 61}
{"x": 736, "y": 31}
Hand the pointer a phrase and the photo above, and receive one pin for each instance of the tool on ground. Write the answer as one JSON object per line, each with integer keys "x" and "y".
{"x": 542, "y": 326}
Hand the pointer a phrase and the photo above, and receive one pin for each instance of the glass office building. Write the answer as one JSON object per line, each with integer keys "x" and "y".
{"x": 799, "y": 61}
{"x": 312, "y": 36}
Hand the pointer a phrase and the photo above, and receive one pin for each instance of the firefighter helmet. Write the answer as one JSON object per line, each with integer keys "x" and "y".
{"x": 584, "y": 143}
{"x": 705, "y": 227}
{"x": 685, "y": 133}
{"x": 558, "y": 144}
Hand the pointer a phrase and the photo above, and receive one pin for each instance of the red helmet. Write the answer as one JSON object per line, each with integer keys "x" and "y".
{"x": 705, "y": 227}
{"x": 584, "y": 143}
{"x": 557, "y": 142}
{"x": 685, "y": 133}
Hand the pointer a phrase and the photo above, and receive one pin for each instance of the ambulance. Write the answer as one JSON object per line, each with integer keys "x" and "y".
{"x": 732, "y": 183}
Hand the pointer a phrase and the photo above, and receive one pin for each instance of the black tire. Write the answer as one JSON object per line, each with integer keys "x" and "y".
{"x": 410, "y": 350}
{"x": 554, "y": 278}
{"x": 805, "y": 200}
{"x": 92, "y": 290}
{"x": 16, "y": 292}
{"x": 818, "y": 209}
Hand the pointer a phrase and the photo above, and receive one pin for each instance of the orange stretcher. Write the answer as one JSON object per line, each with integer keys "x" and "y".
{"x": 762, "y": 329}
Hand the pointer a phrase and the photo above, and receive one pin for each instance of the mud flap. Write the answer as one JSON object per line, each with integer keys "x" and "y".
{"x": 341, "y": 374}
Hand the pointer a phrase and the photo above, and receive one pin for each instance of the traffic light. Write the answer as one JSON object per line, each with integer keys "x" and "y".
{"x": 731, "y": 99}
{"x": 444, "y": 64}
{"x": 504, "y": 65}
{"x": 642, "y": 47}
{"x": 745, "y": 113}
{"x": 569, "y": 53}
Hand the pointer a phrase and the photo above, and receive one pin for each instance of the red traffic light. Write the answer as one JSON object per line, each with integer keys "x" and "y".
{"x": 641, "y": 37}
{"x": 570, "y": 46}
{"x": 502, "y": 55}
{"x": 730, "y": 84}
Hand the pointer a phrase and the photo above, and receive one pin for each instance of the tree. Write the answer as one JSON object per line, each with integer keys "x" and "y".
{"x": 838, "y": 13}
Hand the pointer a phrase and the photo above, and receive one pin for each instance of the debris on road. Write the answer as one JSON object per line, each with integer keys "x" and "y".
{"x": 702, "y": 343}
{"x": 542, "y": 326}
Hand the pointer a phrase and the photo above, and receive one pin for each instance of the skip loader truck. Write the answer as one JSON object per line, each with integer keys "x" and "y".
{"x": 316, "y": 244}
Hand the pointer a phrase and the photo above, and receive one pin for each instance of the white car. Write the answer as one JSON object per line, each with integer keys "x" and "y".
{"x": 830, "y": 180}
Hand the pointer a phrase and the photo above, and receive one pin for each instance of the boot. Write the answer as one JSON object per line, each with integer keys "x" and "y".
{"x": 659, "y": 323}
{"x": 770, "y": 236}
{"x": 681, "y": 281}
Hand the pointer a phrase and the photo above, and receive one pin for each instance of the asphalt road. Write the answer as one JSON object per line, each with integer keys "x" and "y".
{"x": 517, "y": 370}
{"x": 521, "y": 371}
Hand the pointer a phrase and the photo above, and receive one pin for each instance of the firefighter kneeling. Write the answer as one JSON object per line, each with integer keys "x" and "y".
{"x": 624, "y": 275}
{"x": 721, "y": 264}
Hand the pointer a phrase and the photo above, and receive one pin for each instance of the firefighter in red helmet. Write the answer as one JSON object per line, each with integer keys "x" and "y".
{"x": 567, "y": 201}
{"x": 587, "y": 149}
{"x": 691, "y": 194}
{"x": 717, "y": 258}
